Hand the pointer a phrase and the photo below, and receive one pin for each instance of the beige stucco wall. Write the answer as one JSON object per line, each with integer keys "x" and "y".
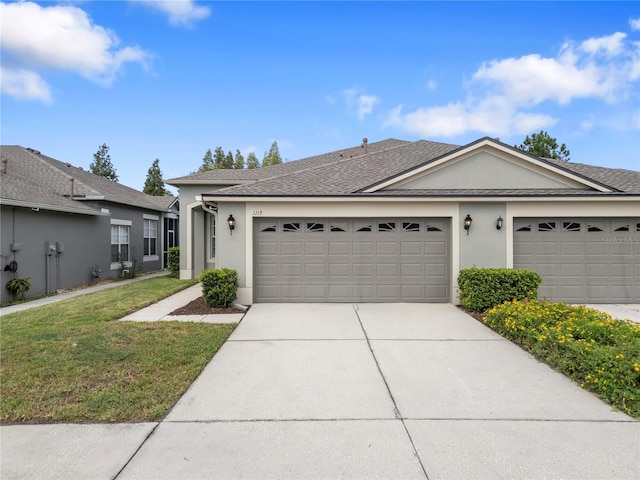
{"x": 487, "y": 170}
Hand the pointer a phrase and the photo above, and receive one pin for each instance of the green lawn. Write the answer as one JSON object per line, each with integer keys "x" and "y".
{"x": 72, "y": 362}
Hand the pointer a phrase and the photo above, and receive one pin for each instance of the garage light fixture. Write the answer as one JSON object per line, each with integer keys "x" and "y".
{"x": 499, "y": 222}
{"x": 467, "y": 223}
{"x": 232, "y": 224}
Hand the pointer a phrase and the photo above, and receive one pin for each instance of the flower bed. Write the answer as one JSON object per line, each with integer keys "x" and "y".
{"x": 601, "y": 354}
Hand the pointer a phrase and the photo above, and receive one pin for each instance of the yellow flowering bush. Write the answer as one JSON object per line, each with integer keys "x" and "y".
{"x": 598, "y": 352}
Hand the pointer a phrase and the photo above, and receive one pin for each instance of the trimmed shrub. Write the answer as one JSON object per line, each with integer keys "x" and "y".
{"x": 483, "y": 288}
{"x": 599, "y": 353}
{"x": 219, "y": 287}
{"x": 173, "y": 261}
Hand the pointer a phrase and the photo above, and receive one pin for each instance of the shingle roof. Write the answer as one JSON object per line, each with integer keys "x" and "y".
{"x": 33, "y": 178}
{"x": 332, "y": 175}
{"x": 273, "y": 171}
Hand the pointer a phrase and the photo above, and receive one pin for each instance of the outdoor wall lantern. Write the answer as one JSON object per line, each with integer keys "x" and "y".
{"x": 499, "y": 222}
{"x": 232, "y": 224}
{"x": 467, "y": 223}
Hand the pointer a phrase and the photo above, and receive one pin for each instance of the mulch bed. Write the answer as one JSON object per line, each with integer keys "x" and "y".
{"x": 478, "y": 316}
{"x": 199, "y": 306}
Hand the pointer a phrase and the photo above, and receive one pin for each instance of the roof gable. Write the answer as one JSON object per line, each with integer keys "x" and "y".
{"x": 488, "y": 164}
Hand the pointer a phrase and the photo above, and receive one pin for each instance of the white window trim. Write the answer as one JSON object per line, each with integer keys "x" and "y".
{"x": 156, "y": 257}
{"x": 212, "y": 216}
{"x": 126, "y": 223}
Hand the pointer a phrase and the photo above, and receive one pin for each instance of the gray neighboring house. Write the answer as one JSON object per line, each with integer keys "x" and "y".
{"x": 59, "y": 221}
{"x": 396, "y": 221}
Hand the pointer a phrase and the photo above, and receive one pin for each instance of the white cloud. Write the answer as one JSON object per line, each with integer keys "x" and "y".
{"x": 24, "y": 85}
{"x": 362, "y": 103}
{"x": 609, "y": 45}
{"x": 180, "y": 12}
{"x": 453, "y": 119}
{"x": 502, "y": 93}
{"x": 365, "y": 105}
{"x": 634, "y": 23}
{"x": 36, "y": 39}
{"x": 587, "y": 125}
{"x": 432, "y": 85}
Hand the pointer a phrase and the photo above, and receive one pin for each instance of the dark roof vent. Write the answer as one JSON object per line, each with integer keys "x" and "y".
{"x": 4, "y": 165}
{"x": 365, "y": 141}
{"x": 33, "y": 150}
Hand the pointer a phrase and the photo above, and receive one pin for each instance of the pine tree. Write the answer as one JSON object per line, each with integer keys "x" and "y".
{"x": 272, "y": 157}
{"x": 207, "y": 162}
{"x": 102, "y": 165}
{"x": 228, "y": 160}
{"x": 154, "y": 185}
{"x": 252, "y": 161}
{"x": 543, "y": 145}
{"x": 219, "y": 158}
{"x": 238, "y": 163}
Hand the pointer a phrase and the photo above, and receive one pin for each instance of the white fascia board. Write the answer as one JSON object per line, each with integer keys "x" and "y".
{"x": 53, "y": 208}
{"x": 423, "y": 199}
{"x": 477, "y": 147}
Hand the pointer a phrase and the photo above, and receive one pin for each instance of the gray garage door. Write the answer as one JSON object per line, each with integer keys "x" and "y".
{"x": 351, "y": 260}
{"x": 582, "y": 260}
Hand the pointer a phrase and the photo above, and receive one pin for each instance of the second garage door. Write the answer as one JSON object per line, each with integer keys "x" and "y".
{"x": 351, "y": 260}
{"x": 581, "y": 260}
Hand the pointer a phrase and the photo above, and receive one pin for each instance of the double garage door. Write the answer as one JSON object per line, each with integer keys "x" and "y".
{"x": 581, "y": 260}
{"x": 352, "y": 260}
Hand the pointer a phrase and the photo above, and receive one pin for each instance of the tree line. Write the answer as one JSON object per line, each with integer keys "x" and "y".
{"x": 154, "y": 183}
{"x": 538, "y": 144}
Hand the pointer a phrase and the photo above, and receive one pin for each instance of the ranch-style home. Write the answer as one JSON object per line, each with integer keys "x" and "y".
{"x": 396, "y": 221}
{"x": 63, "y": 226}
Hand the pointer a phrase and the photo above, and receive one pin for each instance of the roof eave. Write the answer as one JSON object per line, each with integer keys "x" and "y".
{"x": 54, "y": 208}
{"x": 358, "y": 197}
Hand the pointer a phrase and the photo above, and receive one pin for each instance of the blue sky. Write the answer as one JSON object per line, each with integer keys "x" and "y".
{"x": 171, "y": 79}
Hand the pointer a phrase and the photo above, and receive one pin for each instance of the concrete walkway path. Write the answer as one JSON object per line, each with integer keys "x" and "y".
{"x": 76, "y": 293}
{"x": 352, "y": 391}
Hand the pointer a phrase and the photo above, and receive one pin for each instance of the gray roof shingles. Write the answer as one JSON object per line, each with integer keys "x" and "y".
{"x": 33, "y": 178}
{"x": 335, "y": 175}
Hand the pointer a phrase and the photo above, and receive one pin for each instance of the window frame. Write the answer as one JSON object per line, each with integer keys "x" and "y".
{"x": 122, "y": 226}
{"x": 212, "y": 231}
{"x": 146, "y": 240}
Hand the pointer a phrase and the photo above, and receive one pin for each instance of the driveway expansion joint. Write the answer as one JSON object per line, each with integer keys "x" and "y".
{"x": 396, "y": 410}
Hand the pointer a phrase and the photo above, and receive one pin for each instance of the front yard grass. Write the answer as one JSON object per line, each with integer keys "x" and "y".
{"x": 73, "y": 362}
{"x": 601, "y": 354}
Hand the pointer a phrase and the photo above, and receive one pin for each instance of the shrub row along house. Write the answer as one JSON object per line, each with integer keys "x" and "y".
{"x": 396, "y": 221}
{"x": 63, "y": 226}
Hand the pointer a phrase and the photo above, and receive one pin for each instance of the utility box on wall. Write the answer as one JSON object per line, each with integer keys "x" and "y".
{"x": 50, "y": 248}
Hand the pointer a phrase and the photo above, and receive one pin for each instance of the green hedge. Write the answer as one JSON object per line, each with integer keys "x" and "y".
{"x": 219, "y": 287}
{"x": 601, "y": 354}
{"x": 483, "y": 288}
{"x": 173, "y": 261}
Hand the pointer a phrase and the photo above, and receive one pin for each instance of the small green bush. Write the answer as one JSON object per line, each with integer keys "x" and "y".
{"x": 219, "y": 287}
{"x": 483, "y": 288}
{"x": 601, "y": 354}
{"x": 19, "y": 286}
{"x": 173, "y": 261}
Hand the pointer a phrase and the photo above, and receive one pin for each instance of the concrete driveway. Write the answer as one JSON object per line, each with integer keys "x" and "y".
{"x": 359, "y": 391}
{"x": 383, "y": 391}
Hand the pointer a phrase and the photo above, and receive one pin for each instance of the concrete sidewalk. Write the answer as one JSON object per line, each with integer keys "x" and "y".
{"x": 352, "y": 391}
{"x": 76, "y": 293}
{"x": 161, "y": 311}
